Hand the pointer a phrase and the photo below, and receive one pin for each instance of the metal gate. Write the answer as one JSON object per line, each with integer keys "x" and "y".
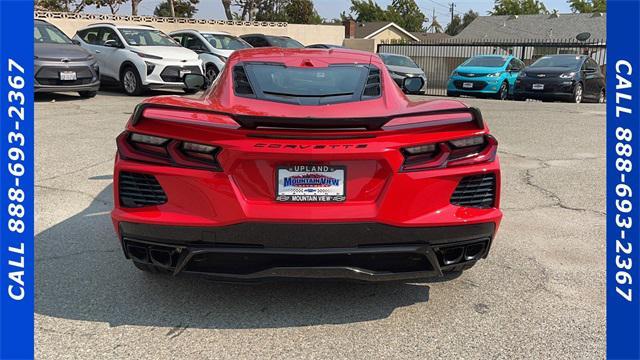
{"x": 439, "y": 58}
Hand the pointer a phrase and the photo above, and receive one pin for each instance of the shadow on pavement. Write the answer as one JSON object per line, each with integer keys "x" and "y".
{"x": 81, "y": 274}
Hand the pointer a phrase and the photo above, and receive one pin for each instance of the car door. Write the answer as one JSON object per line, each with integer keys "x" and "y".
{"x": 110, "y": 48}
{"x": 89, "y": 39}
{"x": 513, "y": 69}
{"x": 193, "y": 43}
{"x": 179, "y": 37}
{"x": 592, "y": 78}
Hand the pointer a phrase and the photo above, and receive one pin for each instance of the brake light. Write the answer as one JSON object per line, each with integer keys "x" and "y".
{"x": 465, "y": 151}
{"x": 408, "y": 122}
{"x": 165, "y": 151}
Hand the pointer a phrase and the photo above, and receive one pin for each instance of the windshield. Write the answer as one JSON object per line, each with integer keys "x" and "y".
{"x": 396, "y": 60}
{"x": 571, "y": 62}
{"x": 146, "y": 37}
{"x": 44, "y": 33}
{"x": 226, "y": 42}
{"x": 284, "y": 42}
{"x": 486, "y": 61}
{"x": 307, "y": 85}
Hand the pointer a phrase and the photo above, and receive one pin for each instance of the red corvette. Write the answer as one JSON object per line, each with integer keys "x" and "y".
{"x": 306, "y": 163}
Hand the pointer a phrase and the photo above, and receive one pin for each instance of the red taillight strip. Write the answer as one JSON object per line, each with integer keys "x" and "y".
{"x": 443, "y": 159}
{"x": 175, "y": 157}
{"x": 190, "y": 117}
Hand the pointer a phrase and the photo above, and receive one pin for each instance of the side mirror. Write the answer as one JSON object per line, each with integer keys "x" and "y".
{"x": 111, "y": 43}
{"x": 412, "y": 84}
{"x": 194, "y": 81}
{"x": 75, "y": 42}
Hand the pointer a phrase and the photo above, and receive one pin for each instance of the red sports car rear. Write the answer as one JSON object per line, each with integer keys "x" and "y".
{"x": 306, "y": 163}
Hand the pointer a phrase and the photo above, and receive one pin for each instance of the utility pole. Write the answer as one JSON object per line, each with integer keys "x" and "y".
{"x": 451, "y": 7}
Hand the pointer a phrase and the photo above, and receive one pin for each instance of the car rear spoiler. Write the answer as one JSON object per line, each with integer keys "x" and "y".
{"x": 309, "y": 123}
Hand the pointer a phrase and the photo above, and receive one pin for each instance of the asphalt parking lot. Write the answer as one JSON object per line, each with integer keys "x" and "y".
{"x": 540, "y": 294}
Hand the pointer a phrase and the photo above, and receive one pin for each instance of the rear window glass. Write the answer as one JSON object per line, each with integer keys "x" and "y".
{"x": 487, "y": 61}
{"x": 307, "y": 86}
{"x": 558, "y": 61}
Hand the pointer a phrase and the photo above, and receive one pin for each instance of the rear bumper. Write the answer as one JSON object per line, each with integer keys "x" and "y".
{"x": 95, "y": 86}
{"x": 357, "y": 251}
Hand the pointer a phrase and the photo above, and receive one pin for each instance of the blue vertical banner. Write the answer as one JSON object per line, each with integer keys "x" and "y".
{"x": 623, "y": 180}
{"x": 16, "y": 180}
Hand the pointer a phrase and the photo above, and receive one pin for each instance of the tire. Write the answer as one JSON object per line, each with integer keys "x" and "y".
{"x": 211, "y": 73}
{"x": 503, "y": 92}
{"x": 452, "y": 94}
{"x": 87, "y": 94}
{"x": 150, "y": 268}
{"x": 131, "y": 82}
{"x": 578, "y": 94}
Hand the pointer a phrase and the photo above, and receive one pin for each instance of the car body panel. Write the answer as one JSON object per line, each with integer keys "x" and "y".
{"x": 384, "y": 207}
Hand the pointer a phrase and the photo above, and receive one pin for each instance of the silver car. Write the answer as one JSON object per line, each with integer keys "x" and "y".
{"x": 61, "y": 65}
{"x": 401, "y": 67}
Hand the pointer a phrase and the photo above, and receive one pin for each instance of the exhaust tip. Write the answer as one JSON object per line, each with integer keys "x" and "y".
{"x": 138, "y": 253}
{"x": 474, "y": 251}
{"x": 160, "y": 257}
{"x": 452, "y": 255}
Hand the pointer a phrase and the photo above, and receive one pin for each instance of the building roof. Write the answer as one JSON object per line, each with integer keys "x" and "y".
{"x": 425, "y": 36}
{"x": 368, "y": 30}
{"x": 543, "y": 26}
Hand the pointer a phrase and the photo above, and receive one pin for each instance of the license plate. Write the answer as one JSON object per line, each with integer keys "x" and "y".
{"x": 68, "y": 75}
{"x": 537, "y": 86}
{"x": 184, "y": 72}
{"x": 467, "y": 85}
{"x": 310, "y": 183}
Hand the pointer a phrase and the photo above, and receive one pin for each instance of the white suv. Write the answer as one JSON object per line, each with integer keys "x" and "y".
{"x": 138, "y": 57}
{"x": 213, "y": 47}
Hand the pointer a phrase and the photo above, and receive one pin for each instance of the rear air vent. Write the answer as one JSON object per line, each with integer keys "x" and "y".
{"x": 372, "y": 88}
{"x": 137, "y": 190}
{"x": 475, "y": 191}
{"x": 241, "y": 83}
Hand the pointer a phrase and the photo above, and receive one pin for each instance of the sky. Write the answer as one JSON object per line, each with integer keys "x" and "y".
{"x": 212, "y": 9}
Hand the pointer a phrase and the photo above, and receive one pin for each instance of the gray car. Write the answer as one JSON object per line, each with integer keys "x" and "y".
{"x": 61, "y": 65}
{"x": 401, "y": 67}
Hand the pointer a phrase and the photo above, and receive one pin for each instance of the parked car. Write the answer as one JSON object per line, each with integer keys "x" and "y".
{"x": 401, "y": 67}
{"x": 324, "y": 46}
{"x": 138, "y": 57}
{"x": 572, "y": 78}
{"x": 485, "y": 75}
{"x": 305, "y": 170}
{"x": 214, "y": 48}
{"x": 261, "y": 40}
{"x": 61, "y": 65}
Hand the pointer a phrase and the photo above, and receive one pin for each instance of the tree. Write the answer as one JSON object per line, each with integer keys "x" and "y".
{"x": 134, "y": 7}
{"x": 113, "y": 5}
{"x": 455, "y": 26}
{"x": 518, "y": 7}
{"x": 588, "y": 6}
{"x": 183, "y": 8}
{"x": 73, "y": 6}
{"x": 301, "y": 12}
{"x": 406, "y": 14}
{"x": 367, "y": 11}
{"x": 435, "y": 26}
{"x": 226, "y": 4}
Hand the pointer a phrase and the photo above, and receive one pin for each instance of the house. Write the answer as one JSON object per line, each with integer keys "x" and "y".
{"x": 431, "y": 37}
{"x": 554, "y": 26}
{"x": 367, "y": 35}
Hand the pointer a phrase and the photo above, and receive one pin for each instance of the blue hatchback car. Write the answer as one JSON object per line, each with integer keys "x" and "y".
{"x": 485, "y": 75}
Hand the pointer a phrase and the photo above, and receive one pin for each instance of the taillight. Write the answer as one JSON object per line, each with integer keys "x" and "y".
{"x": 465, "y": 151}
{"x": 165, "y": 151}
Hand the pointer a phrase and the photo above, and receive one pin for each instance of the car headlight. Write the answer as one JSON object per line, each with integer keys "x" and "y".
{"x": 568, "y": 75}
{"x": 495, "y": 74}
{"x": 454, "y": 73}
{"x": 143, "y": 55}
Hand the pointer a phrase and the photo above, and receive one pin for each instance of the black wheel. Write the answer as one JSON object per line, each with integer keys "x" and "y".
{"x": 150, "y": 268}
{"x": 577, "y": 94}
{"x": 87, "y": 94}
{"x": 211, "y": 73}
{"x": 452, "y": 94}
{"x": 131, "y": 82}
{"x": 602, "y": 97}
{"x": 519, "y": 98}
{"x": 503, "y": 93}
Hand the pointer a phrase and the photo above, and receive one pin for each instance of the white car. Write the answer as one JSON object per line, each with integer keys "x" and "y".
{"x": 214, "y": 48}
{"x": 138, "y": 57}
